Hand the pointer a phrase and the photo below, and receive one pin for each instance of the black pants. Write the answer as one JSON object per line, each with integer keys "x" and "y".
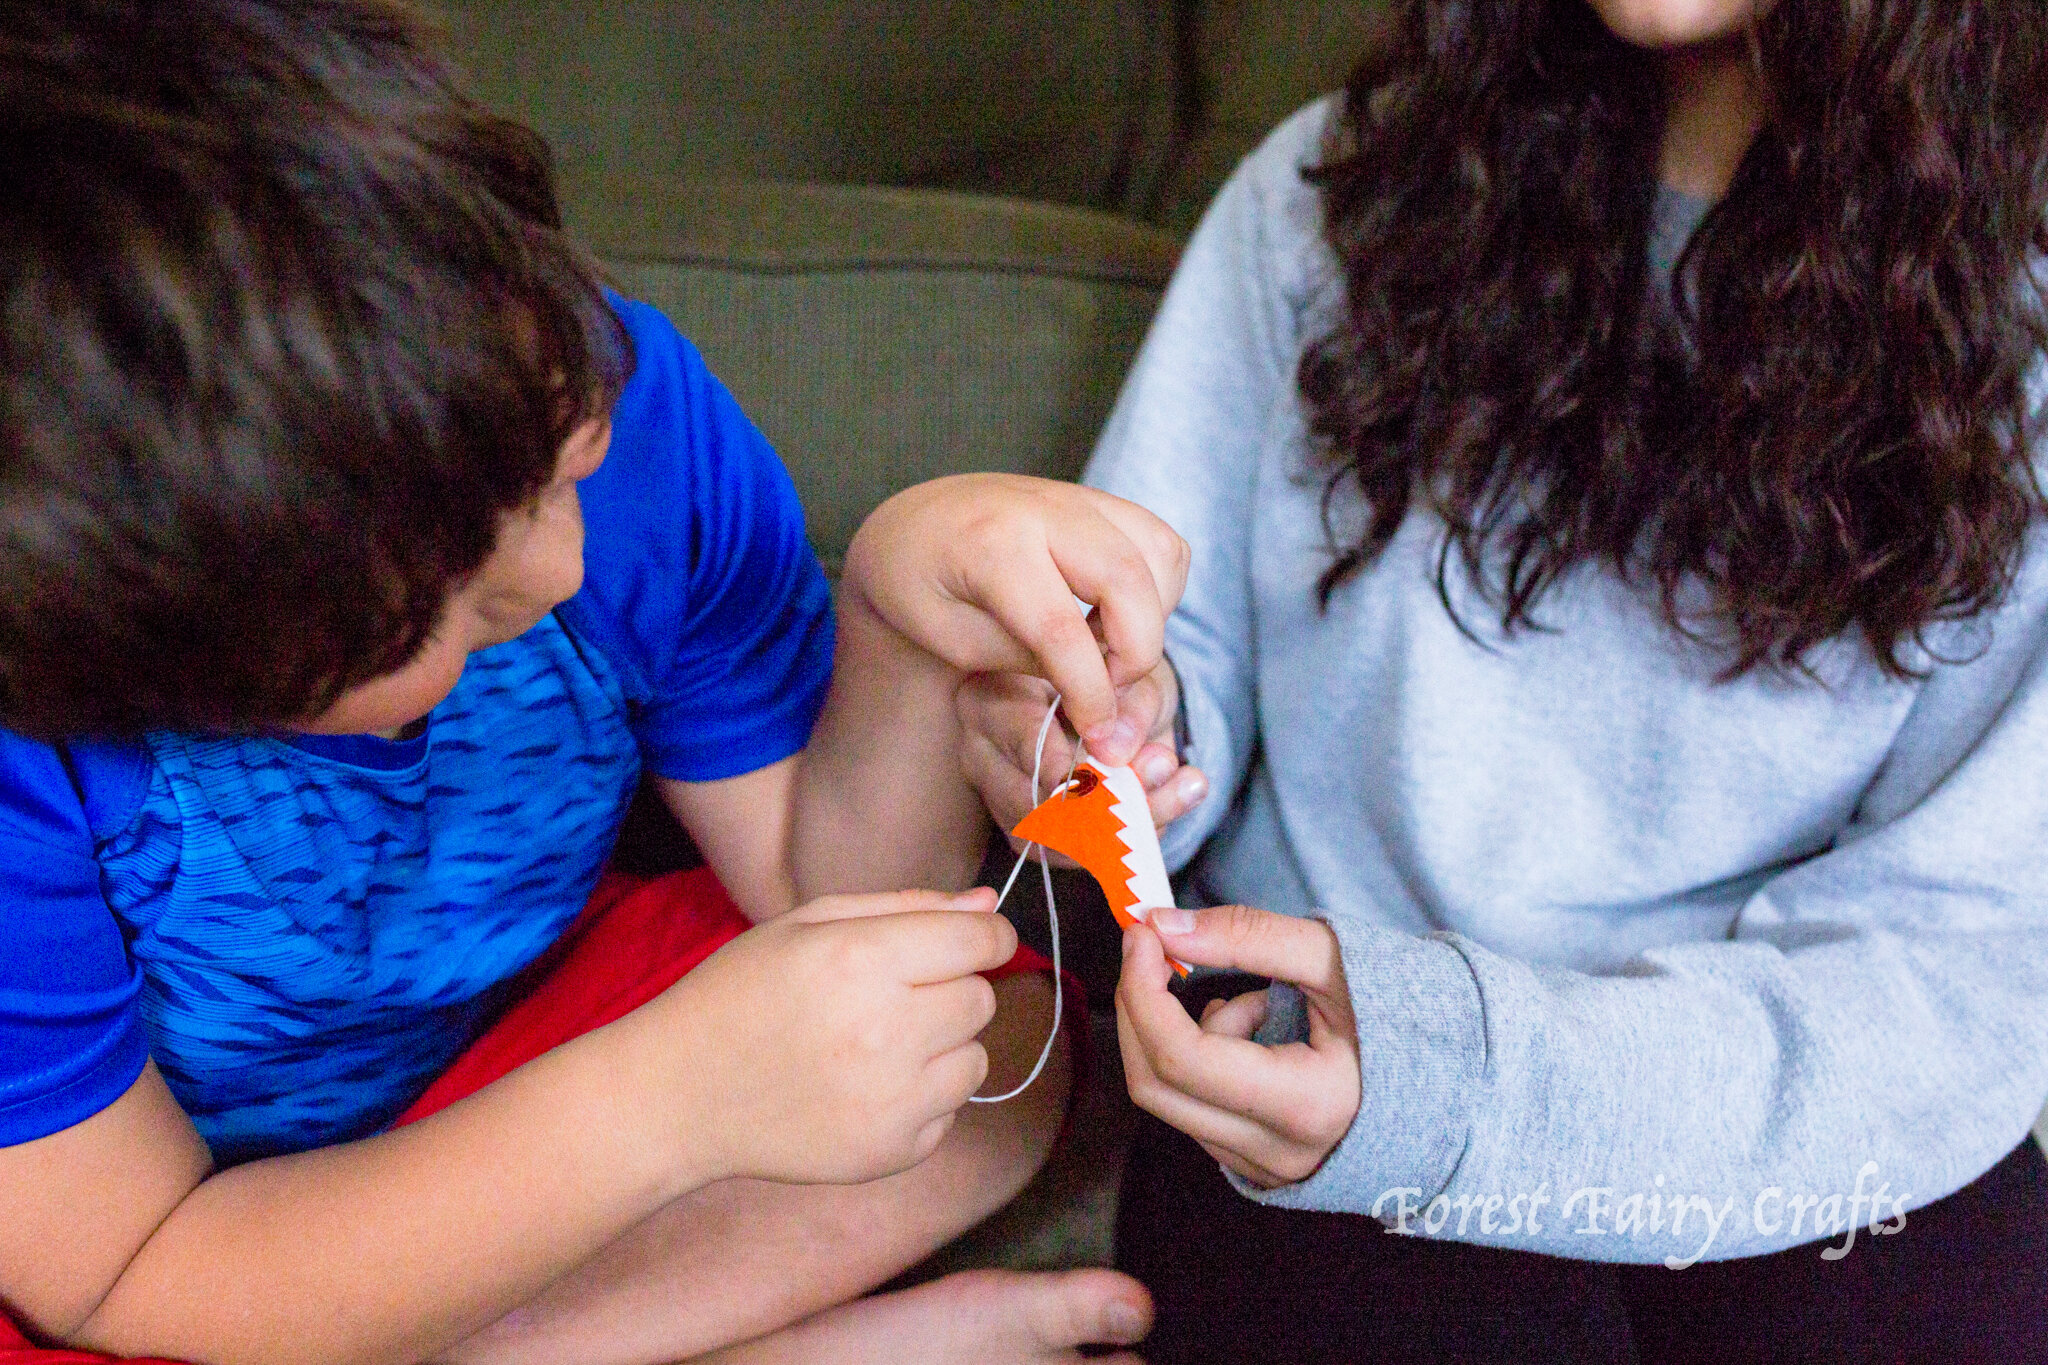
{"x": 1237, "y": 1283}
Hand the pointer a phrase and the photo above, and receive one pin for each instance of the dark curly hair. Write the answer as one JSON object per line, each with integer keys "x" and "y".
{"x": 1840, "y": 444}
{"x": 287, "y": 326}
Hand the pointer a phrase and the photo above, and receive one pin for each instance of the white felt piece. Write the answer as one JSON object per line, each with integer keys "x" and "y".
{"x": 1134, "y": 827}
{"x": 1137, "y": 833}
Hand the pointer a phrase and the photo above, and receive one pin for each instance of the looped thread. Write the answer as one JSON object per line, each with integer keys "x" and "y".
{"x": 1052, "y": 912}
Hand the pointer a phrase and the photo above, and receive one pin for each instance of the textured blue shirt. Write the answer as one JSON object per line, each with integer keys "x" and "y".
{"x": 303, "y": 931}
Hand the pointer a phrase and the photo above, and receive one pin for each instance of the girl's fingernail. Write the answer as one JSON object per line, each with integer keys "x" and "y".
{"x": 1115, "y": 737}
{"x": 1193, "y": 788}
{"x": 1155, "y": 769}
{"x": 1169, "y": 920}
{"x": 1126, "y": 1324}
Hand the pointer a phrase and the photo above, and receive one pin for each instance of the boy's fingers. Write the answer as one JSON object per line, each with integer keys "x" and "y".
{"x": 1038, "y": 610}
{"x": 1283, "y": 947}
{"x": 952, "y": 1076}
{"x": 950, "y": 1013}
{"x": 925, "y": 949}
{"x": 930, "y": 1136}
{"x": 1119, "y": 557}
{"x": 825, "y": 908}
{"x": 1139, "y": 703}
{"x": 1167, "y": 555}
{"x": 919, "y": 947}
{"x": 1103, "y": 564}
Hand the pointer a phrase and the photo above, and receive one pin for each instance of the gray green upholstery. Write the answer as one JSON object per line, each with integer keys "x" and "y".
{"x": 1140, "y": 107}
{"x": 1073, "y": 101}
{"x": 883, "y": 337}
{"x": 1256, "y": 62}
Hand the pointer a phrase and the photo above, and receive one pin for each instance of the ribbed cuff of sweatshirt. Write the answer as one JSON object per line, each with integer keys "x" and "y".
{"x": 1422, "y": 1058}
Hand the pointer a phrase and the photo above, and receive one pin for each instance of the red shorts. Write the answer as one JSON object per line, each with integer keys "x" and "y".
{"x": 635, "y": 939}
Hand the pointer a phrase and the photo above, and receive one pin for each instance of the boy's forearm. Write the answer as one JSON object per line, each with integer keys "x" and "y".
{"x": 396, "y": 1247}
{"x": 881, "y": 802}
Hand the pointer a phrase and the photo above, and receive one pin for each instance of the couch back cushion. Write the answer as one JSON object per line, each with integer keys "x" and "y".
{"x": 1254, "y": 63}
{"x": 1071, "y": 101}
{"x": 883, "y": 337}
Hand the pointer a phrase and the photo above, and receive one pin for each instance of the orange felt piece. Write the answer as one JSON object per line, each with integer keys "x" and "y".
{"x": 1085, "y": 821}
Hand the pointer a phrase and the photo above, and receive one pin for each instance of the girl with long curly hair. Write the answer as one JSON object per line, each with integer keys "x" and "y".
{"x": 1610, "y": 702}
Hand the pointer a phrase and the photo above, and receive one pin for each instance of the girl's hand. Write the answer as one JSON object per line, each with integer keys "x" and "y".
{"x": 1000, "y": 714}
{"x": 1270, "y": 1114}
{"x": 833, "y": 1044}
{"x": 980, "y": 571}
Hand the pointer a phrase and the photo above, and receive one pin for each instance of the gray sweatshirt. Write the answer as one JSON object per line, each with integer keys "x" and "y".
{"x": 1646, "y": 966}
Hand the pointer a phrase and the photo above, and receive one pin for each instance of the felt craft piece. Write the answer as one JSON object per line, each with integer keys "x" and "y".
{"x": 1099, "y": 818}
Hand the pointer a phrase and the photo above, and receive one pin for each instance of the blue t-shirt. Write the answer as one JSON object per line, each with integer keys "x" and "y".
{"x": 304, "y": 931}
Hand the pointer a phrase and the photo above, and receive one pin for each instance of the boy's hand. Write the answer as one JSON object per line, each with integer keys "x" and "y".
{"x": 831, "y": 1045}
{"x": 980, "y": 571}
{"x": 1270, "y": 1114}
{"x": 1000, "y": 714}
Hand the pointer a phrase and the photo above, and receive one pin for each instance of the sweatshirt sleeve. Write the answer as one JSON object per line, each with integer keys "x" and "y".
{"x": 1184, "y": 440}
{"x": 1872, "y": 1036}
